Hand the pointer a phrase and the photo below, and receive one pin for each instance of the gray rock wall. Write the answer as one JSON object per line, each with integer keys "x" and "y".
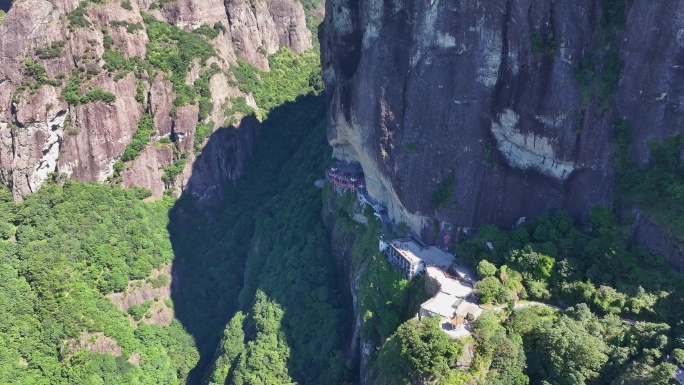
{"x": 423, "y": 91}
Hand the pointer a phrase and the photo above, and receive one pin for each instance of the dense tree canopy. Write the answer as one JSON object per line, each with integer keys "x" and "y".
{"x": 63, "y": 249}
{"x": 558, "y": 261}
{"x": 568, "y": 350}
{"x": 499, "y": 353}
{"x": 418, "y": 352}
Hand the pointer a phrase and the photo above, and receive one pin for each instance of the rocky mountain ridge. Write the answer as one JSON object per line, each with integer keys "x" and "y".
{"x": 76, "y": 79}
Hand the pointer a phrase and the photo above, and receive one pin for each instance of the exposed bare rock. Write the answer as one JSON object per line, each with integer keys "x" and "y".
{"x": 33, "y": 107}
{"x": 287, "y": 17}
{"x": 650, "y": 234}
{"x": 194, "y": 72}
{"x": 144, "y": 4}
{"x": 221, "y": 92}
{"x": 222, "y": 159}
{"x": 160, "y": 314}
{"x": 148, "y": 167}
{"x": 651, "y": 90}
{"x": 7, "y": 153}
{"x": 106, "y": 130}
{"x": 246, "y": 21}
{"x": 23, "y": 144}
{"x": 490, "y": 101}
{"x": 134, "y": 359}
{"x": 192, "y": 14}
{"x": 186, "y": 175}
{"x": 130, "y": 43}
{"x": 64, "y": 6}
{"x": 23, "y": 24}
{"x": 424, "y": 92}
{"x": 469, "y": 65}
{"x": 40, "y": 133}
{"x": 254, "y": 29}
{"x": 161, "y": 101}
{"x": 250, "y": 101}
{"x": 139, "y": 291}
{"x": 259, "y": 27}
{"x": 96, "y": 343}
{"x": 185, "y": 124}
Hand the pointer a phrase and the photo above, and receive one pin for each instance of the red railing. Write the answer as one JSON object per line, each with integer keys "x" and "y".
{"x": 343, "y": 180}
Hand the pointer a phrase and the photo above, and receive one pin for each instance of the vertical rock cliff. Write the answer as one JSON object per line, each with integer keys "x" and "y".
{"x": 477, "y": 112}
{"x": 76, "y": 77}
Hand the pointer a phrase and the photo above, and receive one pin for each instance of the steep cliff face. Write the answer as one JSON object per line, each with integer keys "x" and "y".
{"x": 506, "y": 106}
{"x": 77, "y": 76}
{"x": 221, "y": 160}
{"x": 344, "y": 242}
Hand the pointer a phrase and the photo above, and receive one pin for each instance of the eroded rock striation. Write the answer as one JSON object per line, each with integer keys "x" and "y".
{"x": 46, "y": 44}
{"x": 492, "y": 101}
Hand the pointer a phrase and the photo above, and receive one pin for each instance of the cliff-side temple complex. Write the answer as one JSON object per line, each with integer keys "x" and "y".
{"x": 346, "y": 177}
{"x": 451, "y": 298}
{"x": 404, "y": 254}
{"x": 452, "y": 302}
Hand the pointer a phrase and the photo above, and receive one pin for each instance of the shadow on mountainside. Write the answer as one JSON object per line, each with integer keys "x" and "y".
{"x": 262, "y": 232}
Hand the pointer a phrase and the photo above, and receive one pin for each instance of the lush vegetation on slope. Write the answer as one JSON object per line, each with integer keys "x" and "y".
{"x": 657, "y": 188}
{"x": 263, "y": 260}
{"x": 591, "y": 270}
{"x": 386, "y": 299}
{"x": 529, "y": 345}
{"x": 76, "y": 244}
{"x": 172, "y": 50}
{"x": 290, "y": 75}
{"x": 267, "y": 248}
{"x": 419, "y": 352}
{"x": 63, "y": 250}
{"x": 266, "y": 255}
{"x": 140, "y": 138}
{"x": 496, "y": 355}
{"x": 578, "y": 347}
{"x": 552, "y": 259}
{"x": 410, "y": 352}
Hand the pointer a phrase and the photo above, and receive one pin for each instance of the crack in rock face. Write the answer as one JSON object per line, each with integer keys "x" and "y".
{"x": 528, "y": 151}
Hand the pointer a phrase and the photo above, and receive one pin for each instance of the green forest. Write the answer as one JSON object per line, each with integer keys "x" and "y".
{"x": 255, "y": 296}
{"x": 263, "y": 269}
{"x": 258, "y": 283}
{"x": 632, "y": 298}
{"x": 63, "y": 250}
